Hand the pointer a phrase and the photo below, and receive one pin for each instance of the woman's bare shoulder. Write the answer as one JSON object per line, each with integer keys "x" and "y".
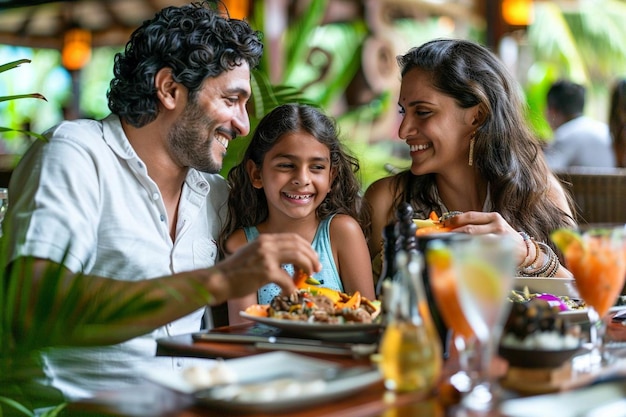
{"x": 381, "y": 192}
{"x": 381, "y": 185}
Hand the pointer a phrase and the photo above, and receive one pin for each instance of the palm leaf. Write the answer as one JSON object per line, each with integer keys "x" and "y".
{"x": 299, "y": 34}
{"x": 19, "y": 96}
{"x": 330, "y": 67}
{"x": 69, "y": 320}
{"x": 16, "y": 406}
{"x": 26, "y": 132}
{"x": 263, "y": 97}
{"x": 54, "y": 412}
{"x": 7, "y": 67}
{"x": 14, "y": 64}
{"x": 90, "y": 321}
{"x": 599, "y": 29}
{"x": 552, "y": 36}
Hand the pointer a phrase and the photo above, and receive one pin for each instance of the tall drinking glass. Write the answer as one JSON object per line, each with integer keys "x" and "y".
{"x": 443, "y": 283}
{"x": 599, "y": 267}
{"x": 485, "y": 267}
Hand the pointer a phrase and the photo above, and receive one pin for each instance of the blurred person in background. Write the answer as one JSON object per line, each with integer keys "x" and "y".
{"x": 578, "y": 140}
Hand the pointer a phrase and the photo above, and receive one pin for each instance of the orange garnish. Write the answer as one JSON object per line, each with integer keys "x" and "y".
{"x": 258, "y": 310}
{"x": 302, "y": 280}
{"x": 434, "y": 229}
{"x": 299, "y": 278}
{"x": 354, "y": 302}
{"x": 431, "y": 225}
{"x": 334, "y": 295}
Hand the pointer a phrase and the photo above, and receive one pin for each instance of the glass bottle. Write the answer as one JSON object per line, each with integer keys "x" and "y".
{"x": 410, "y": 348}
{"x": 388, "y": 268}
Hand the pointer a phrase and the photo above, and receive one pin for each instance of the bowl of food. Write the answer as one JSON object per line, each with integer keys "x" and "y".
{"x": 564, "y": 287}
{"x": 536, "y": 336}
{"x": 322, "y": 313}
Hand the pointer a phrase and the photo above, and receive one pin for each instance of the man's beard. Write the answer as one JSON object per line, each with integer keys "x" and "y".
{"x": 187, "y": 140}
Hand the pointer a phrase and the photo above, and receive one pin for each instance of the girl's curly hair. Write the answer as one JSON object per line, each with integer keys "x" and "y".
{"x": 194, "y": 40}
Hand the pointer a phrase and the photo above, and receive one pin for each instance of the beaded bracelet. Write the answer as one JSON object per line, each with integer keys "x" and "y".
{"x": 554, "y": 260}
{"x": 528, "y": 240}
{"x": 533, "y": 271}
{"x": 549, "y": 267}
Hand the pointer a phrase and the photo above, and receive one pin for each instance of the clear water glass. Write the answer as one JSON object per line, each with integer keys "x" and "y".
{"x": 485, "y": 267}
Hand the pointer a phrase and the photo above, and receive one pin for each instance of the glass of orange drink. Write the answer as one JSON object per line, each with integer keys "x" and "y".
{"x": 484, "y": 267}
{"x": 443, "y": 284}
{"x": 597, "y": 259}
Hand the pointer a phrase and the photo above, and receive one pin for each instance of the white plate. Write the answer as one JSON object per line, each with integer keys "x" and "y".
{"x": 555, "y": 286}
{"x": 348, "y": 332}
{"x": 269, "y": 366}
{"x": 581, "y": 314}
{"x": 576, "y": 403}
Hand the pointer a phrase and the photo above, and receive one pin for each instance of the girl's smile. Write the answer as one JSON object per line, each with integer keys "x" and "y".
{"x": 298, "y": 198}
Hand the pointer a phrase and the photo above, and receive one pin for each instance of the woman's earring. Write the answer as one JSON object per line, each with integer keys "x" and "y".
{"x": 470, "y": 161}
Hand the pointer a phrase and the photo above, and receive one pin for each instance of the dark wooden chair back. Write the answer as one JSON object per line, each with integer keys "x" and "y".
{"x": 599, "y": 193}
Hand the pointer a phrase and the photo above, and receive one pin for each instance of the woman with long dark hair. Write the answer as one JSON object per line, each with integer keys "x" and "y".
{"x": 472, "y": 152}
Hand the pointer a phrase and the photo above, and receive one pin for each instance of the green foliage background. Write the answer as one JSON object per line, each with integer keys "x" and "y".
{"x": 584, "y": 43}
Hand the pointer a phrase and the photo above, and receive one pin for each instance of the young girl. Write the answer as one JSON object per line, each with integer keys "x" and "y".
{"x": 296, "y": 177}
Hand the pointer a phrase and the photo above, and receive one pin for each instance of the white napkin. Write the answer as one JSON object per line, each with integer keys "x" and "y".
{"x": 584, "y": 402}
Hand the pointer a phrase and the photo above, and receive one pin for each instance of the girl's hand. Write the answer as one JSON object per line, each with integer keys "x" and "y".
{"x": 479, "y": 223}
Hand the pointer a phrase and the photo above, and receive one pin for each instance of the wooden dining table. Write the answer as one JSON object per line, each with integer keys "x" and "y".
{"x": 151, "y": 399}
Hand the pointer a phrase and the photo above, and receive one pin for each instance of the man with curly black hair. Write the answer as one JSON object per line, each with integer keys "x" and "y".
{"x": 131, "y": 205}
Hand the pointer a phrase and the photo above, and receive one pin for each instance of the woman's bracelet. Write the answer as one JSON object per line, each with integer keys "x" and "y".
{"x": 554, "y": 260}
{"x": 531, "y": 245}
{"x": 550, "y": 265}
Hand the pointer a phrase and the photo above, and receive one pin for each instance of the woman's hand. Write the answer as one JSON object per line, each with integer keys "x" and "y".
{"x": 479, "y": 223}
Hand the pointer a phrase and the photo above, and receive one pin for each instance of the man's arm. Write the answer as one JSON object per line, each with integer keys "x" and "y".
{"x": 54, "y": 306}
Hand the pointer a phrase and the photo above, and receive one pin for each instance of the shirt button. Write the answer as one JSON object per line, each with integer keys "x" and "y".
{"x": 162, "y": 217}
{"x": 139, "y": 164}
{"x": 155, "y": 196}
{"x": 203, "y": 185}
